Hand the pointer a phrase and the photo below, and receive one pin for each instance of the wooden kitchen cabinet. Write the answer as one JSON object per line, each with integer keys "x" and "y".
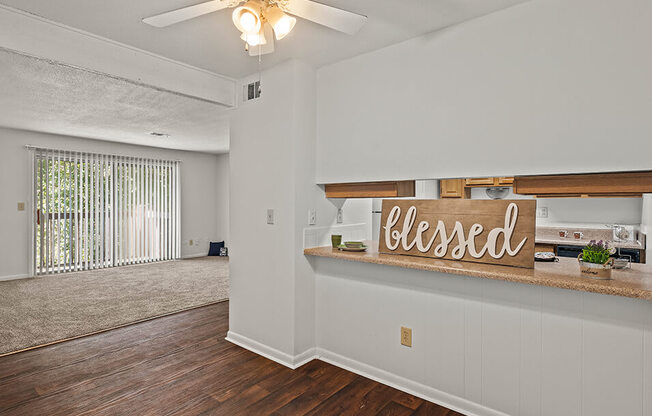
{"x": 453, "y": 188}
{"x": 623, "y": 184}
{"x": 486, "y": 182}
{"x": 479, "y": 182}
{"x": 388, "y": 189}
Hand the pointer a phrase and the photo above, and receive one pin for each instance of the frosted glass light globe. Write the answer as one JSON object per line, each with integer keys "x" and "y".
{"x": 248, "y": 21}
{"x": 284, "y": 26}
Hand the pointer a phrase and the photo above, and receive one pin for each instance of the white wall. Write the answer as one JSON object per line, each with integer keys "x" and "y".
{"x": 546, "y": 86}
{"x": 646, "y": 220}
{"x": 601, "y": 211}
{"x": 264, "y": 172}
{"x": 261, "y": 255}
{"x": 354, "y": 211}
{"x": 222, "y": 179}
{"x": 199, "y": 195}
{"x": 272, "y": 163}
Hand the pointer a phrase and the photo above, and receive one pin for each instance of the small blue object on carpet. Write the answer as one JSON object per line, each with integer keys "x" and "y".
{"x": 214, "y": 249}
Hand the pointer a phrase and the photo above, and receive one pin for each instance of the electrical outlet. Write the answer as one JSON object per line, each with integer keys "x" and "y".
{"x": 406, "y": 336}
{"x": 542, "y": 212}
{"x": 270, "y": 216}
{"x": 312, "y": 216}
{"x": 21, "y": 206}
{"x": 340, "y": 216}
{"x": 190, "y": 242}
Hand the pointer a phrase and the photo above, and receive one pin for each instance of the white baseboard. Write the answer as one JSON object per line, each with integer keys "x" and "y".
{"x": 305, "y": 357}
{"x": 14, "y": 277}
{"x": 439, "y": 397}
{"x": 273, "y": 354}
{"x": 414, "y": 388}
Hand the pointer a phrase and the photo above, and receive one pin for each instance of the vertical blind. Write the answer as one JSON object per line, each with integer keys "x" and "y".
{"x": 94, "y": 211}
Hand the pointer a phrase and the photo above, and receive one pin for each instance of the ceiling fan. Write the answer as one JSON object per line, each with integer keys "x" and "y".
{"x": 262, "y": 20}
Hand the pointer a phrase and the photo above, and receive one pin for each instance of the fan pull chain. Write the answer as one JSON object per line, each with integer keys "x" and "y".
{"x": 260, "y": 70}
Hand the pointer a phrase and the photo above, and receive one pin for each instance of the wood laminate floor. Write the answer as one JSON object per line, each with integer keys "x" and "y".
{"x": 181, "y": 365}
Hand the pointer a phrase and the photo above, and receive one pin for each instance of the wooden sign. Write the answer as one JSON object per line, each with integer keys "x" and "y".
{"x": 482, "y": 231}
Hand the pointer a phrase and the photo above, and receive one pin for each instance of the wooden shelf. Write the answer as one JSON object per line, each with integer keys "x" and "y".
{"x": 388, "y": 189}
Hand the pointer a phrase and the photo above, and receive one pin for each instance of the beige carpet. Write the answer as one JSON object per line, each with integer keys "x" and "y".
{"x": 51, "y": 308}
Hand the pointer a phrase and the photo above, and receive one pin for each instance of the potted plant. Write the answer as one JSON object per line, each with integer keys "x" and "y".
{"x": 596, "y": 261}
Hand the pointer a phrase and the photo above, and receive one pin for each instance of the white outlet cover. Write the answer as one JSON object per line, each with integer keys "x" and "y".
{"x": 340, "y": 216}
{"x": 542, "y": 212}
{"x": 312, "y": 216}
{"x": 270, "y": 216}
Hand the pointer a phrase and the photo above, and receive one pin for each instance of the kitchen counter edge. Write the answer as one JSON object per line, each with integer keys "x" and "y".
{"x": 565, "y": 274}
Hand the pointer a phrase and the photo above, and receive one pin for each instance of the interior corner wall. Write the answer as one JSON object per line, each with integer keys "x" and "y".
{"x": 198, "y": 196}
{"x": 272, "y": 163}
{"x": 222, "y": 179}
{"x": 307, "y": 195}
{"x": 547, "y": 86}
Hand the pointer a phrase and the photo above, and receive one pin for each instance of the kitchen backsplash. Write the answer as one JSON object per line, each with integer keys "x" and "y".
{"x": 321, "y": 236}
{"x": 581, "y": 233}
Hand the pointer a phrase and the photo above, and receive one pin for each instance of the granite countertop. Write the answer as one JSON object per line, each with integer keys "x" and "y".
{"x": 632, "y": 283}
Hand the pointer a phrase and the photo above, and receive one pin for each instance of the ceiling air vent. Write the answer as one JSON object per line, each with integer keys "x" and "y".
{"x": 251, "y": 91}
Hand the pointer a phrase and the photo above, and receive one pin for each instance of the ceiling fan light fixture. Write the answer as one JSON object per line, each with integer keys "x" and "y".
{"x": 247, "y": 18}
{"x": 255, "y": 39}
{"x": 281, "y": 22}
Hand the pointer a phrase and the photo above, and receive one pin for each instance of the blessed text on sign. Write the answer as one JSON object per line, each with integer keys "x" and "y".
{"x": 483, "y": 231}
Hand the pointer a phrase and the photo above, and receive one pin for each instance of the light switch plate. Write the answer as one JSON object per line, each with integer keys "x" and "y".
{"x": 21, "y": 206}
{"x": 312, "y": 216}
{"x": 270, "y": 216}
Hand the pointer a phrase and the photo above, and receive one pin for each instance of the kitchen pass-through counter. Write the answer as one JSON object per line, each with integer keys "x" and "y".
{"x": 633, "y": 283}
{"x": 489, "y": 340}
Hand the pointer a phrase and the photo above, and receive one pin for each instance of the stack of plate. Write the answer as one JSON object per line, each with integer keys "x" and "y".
{"x": 352, "y": 246}
{"x": 545, "y": 256}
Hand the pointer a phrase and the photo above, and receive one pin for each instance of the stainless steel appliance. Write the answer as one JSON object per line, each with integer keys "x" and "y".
{"x": 574, "y": 251}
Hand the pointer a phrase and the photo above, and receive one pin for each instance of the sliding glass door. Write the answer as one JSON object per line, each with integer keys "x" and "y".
{"x": 93, "y": 211}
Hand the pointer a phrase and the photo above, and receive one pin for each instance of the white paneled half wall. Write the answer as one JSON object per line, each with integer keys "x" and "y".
{"x": 487, "y": 347}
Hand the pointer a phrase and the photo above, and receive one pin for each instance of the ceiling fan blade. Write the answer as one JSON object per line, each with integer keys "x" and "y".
{"x": 266, "y": 48}
{"x": 332, "y": 17}
{"x": 185, "y": 13}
